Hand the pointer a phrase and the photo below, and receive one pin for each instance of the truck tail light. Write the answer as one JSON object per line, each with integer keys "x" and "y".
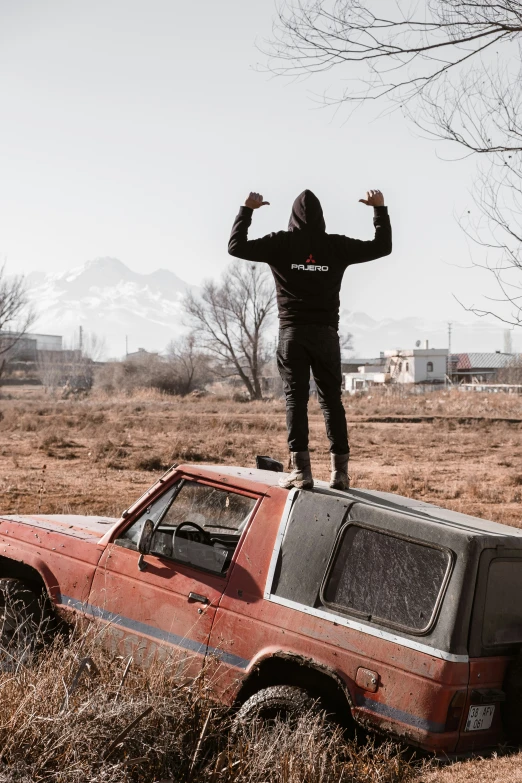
{"x": 455, "y": 710}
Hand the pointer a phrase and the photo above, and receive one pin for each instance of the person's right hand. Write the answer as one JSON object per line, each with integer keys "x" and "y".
{"x": 255, "y": 200}
{"x": 374, "y": 198}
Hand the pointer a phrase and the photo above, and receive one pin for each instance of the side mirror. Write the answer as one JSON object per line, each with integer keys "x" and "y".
{"x": 145, "y": 542}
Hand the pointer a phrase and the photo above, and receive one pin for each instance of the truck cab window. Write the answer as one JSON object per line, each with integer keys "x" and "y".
{"x": 196, "y": 524}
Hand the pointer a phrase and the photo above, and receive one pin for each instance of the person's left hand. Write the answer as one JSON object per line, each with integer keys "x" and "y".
{"x": 374, "y": 198}
{"x": 255, "y": 200}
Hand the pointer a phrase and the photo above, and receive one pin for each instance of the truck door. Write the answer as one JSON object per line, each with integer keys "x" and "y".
{"x": 167, "y": 609}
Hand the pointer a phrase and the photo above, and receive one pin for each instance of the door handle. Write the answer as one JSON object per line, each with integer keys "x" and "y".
{"x": 197, "y": 597}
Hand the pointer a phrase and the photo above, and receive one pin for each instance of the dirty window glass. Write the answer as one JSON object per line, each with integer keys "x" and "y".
{"x": 202, "y": 527}
{"x": 211, "y": 508}
{"x": 502, "y": 613}
{"x": 386, "y": 579}
{"x": 132, "y": 535}
{"x": 211, "y": 521}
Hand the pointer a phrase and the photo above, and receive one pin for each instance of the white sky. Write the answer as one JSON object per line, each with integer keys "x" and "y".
{"x": 135, "y": 129}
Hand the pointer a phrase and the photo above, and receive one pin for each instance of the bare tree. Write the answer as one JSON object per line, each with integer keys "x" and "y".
{"x": 398, "y": 49}
{"x": 346, "y": 341}
{"x": 50, "y": 369}
{"x": 16, "y": 314}
{"x": 496, "y": 226}
{"x": 230, "y": 319}
{"x": 189, "y": 365}
{"x": 454, "y": 69}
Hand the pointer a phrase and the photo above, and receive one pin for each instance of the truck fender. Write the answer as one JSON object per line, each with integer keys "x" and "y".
{"x": 270, "y": 657}
{"x": 19, "y": 568}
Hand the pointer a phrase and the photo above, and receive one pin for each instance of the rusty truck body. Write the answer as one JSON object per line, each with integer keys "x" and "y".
{"x": 397, "y": 614}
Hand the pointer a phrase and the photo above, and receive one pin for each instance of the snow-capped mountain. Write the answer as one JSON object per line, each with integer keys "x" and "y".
{"x": 370, "y": 336}
{"x": 104, "y": 296}
{"x": 107, "y": 298}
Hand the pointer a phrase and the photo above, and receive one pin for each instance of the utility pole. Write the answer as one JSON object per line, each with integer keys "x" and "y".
{"x": 450, "y": 364}
{"x": 80, "y": 343}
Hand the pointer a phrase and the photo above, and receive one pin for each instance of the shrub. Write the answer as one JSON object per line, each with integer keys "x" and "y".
{"x": 151, "y": 462}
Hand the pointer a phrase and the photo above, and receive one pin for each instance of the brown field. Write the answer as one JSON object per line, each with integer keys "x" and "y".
{"x": 461, "y": 451}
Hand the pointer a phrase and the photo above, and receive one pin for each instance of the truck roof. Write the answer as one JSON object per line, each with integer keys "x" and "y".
{"x": 386, "y": 500}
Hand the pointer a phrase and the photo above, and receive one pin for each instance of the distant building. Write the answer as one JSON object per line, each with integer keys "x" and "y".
{"x": 361, "y": 374}
{"x": 27, "y": 347}
{"x": 418, "y": 365}
{"x": 479, "y": 367}
{"x": 140, "y": 355}
{"x": 364, "y": 379}
{"x": 38, "y": 358}
{"x": 353, "y": 364}
{"x": 46, "y": 342}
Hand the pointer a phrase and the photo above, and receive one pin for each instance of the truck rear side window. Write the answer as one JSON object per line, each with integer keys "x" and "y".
{"x": 387, "y": 579}
{"x": 502, "y": 614}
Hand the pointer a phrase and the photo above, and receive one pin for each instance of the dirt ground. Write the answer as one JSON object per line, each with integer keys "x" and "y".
{"x": 461, "y": 451}
{"x": 97, "y": 455}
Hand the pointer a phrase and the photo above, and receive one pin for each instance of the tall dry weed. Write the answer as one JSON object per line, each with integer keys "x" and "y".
{"x": 74, "y": 713}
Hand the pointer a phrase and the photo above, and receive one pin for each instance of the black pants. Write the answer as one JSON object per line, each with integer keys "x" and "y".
{"x": 300, "y": 349}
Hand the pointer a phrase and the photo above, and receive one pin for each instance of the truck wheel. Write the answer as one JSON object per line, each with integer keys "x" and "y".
{"x": 283, "y": 702}
{"x": 512, "y": 708}
{"x": 20, "y": 622}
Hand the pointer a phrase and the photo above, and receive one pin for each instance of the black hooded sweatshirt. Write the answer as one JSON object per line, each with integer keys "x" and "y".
{"x": 307, "y": 263}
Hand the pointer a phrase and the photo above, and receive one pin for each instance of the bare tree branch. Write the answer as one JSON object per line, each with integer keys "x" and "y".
{"x": 497, "y": 229}
{"x": 454, "y": 67}
{"x": 402, "y": 51}
{"x": 230, "y": 320}
{"x": 16, "y": 314}
{"x": 189, "y": 365}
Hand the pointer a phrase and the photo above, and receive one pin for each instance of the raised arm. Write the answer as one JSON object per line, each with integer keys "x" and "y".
{"x": 358, "y": 250}
{"x": 240, "y": 246}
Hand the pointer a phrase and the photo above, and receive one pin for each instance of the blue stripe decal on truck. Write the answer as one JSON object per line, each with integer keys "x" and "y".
{"x": 156, "y": 633}
{"x": 376, "y": 707}
{"x": 395, "y": 714}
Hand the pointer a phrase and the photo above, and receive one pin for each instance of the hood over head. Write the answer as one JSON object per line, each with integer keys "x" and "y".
{"x": 307, "y": 213}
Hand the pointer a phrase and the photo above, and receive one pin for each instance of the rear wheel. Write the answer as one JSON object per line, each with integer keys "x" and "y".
{"x": 277, "y": 702}
{"x": 21, "y": 626}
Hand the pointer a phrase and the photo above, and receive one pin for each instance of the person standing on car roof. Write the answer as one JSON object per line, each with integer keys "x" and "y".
{"x": 308, "y": 266}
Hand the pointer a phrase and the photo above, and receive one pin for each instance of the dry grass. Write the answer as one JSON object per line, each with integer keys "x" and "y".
{"x": 503, "y": 769}
{"x": 76, "y": 714}
{"x": 96, "y": 455}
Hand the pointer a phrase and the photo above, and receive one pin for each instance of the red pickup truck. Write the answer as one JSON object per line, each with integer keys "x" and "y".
{"x": 391, "y": 612}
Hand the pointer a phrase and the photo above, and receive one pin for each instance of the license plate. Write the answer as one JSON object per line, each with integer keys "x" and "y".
{"x": 480, "y": 718}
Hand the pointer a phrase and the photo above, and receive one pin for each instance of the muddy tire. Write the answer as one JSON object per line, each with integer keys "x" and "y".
{"x": 277, "y": 702}
{"x": 21, "y": 628}
{"x": 512, "y": 708}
